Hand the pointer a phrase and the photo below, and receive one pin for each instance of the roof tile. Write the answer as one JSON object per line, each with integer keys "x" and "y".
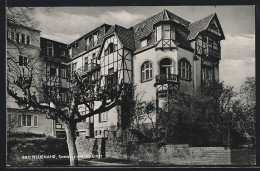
{"x": 199, "y": 26}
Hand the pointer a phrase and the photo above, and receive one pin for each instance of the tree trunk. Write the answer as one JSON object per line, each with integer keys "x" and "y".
{"x": 70, "y": 129}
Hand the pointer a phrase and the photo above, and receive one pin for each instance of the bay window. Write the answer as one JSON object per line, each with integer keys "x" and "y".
{"x": 158, "y": 33}
{"x": 165, "y": 31}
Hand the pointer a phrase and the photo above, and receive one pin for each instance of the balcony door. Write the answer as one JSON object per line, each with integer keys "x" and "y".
{"x": 166, "y": 67}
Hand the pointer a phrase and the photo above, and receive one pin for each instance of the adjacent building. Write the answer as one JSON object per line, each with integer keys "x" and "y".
{"x": 23, "y": 56}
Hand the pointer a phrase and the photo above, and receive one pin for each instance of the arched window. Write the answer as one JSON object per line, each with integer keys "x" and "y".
{"x": 110, "y": 48}
{"x": 166, "y": 67}
{"x": 184, "y": 69}
{"x": 146, "y": 71}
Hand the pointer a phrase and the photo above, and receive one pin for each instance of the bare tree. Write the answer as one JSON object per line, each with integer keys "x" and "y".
{"x": 82, "y": 90}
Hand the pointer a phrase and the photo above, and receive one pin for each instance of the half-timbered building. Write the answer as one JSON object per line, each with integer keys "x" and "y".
{"x": 162, "y": 53}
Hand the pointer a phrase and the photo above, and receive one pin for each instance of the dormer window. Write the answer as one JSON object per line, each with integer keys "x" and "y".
{"x": 95, "y": 37}
{"x": 110, "y": 48}
{"x": 165, "y": 31}
{"x": 87, "y": 42}
{"x": 49, "y": 49}
{"x": 76, "y": 45}
{"x": 143, "y": 42}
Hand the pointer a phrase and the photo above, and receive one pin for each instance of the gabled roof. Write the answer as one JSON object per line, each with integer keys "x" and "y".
{"x": 145, "y": 27}
{"x": 124, "y": 35}
{"x": 201, "y": 25}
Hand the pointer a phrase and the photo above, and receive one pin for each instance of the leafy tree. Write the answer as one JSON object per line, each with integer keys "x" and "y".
{"x": 245, "y": 109}
{"x": 205, "y": 114}
{"x": 142, "y": 117}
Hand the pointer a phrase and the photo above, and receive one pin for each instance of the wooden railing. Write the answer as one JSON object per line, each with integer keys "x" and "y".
{"x": 88, "y": 68}
{"x": 166, "y": 78}
{"x": 211, "y": 52}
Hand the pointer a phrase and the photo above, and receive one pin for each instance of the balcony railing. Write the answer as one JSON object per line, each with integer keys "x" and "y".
{"x": 211, "y": 52}
{"x": 88, "y": 68}
{"x": 167, "y": 78}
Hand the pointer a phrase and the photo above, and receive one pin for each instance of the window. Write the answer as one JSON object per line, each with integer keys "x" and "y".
{"x": 111, "y": 78}
{"x": 95, "y": 39}
{"x": 64, "y": 97}
{"x": 144, "y": 43}
{"x": 74, "y": 66}
{"x": 87, "y": 42}
{"x": 185, "y": 69}
{"x": 94, "y": 58}
{"x": 103, "y": 117}
{"x": 28, "y": 40}
{"x": 86, "y": 64}
{"x": 105, "y": 133}
{"x": 12, "y": 35}
{"x": 203, "y": 74}
{"x": 18, "y": 37}
{"x": 76, "y": 45}
{"x": 207, "y": 74}
{"x": 23, "y": 61}
{"x": 110, "y": 48}
{"x": 35, "y": 120}
{"x": 158, "y": 33}
{"x": 63, "y": 73}
{"x": 166, "y": 31}
{"x": 210, "y": 44}
{"x": 23, "y": 38}
{"x": 27, "y": 120}
{"x": 52, "y": 71}
{"x": 63, "y": 53}
{"x": 49, "y": 49}
{"x": 204, "y": 42}
{"x": 146, "y": 71}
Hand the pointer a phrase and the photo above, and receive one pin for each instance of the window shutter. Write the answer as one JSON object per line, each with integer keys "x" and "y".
{"x": 35, "y": 120}
{"x": 19, "y": 120}
{"x": 20, "y": 60}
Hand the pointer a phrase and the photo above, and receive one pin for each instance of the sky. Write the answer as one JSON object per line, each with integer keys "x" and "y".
{"x": 66, "y": 24}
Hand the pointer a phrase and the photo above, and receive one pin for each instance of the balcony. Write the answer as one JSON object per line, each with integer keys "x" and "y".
{"x": 166, "y": 79}
{"x": 54, "y": 57}
{"x": 88, "y": 68}
{"x": 209, "y": 52}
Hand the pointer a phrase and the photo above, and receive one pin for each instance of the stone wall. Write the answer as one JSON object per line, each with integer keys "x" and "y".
{"x": 179, "y": 154}
{"x": 89, "y": 147}
{"x": 168, "y": 154}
